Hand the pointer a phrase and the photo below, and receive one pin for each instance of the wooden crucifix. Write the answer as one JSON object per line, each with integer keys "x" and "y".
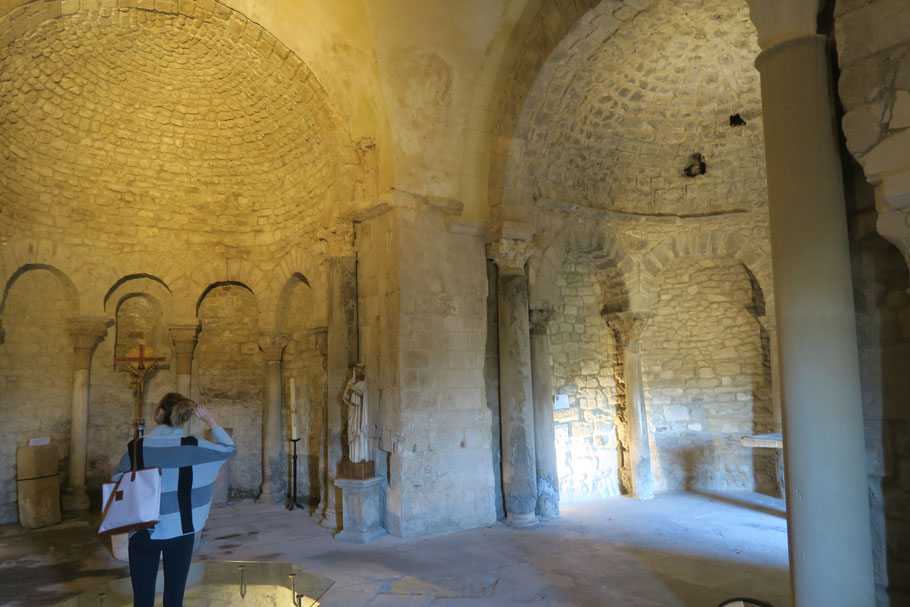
{"x": 140, "y": 361}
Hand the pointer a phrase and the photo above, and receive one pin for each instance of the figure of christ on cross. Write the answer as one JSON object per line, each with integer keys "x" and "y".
{"x": 140, "y": 362}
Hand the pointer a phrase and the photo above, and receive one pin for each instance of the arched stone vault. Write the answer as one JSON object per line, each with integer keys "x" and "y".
{"x": 150, "y": 124}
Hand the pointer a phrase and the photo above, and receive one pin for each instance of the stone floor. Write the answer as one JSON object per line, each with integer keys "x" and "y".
{"x": 688, "y": 550}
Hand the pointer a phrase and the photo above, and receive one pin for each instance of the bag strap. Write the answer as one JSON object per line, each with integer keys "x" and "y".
{"x": 111, "y": 498}
{"x": 137, "y": 459}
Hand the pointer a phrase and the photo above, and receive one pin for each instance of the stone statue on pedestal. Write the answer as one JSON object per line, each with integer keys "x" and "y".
{"x": 355, "y": 397}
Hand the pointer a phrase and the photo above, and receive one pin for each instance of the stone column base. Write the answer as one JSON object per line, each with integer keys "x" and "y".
{"x": 74, "y": 498}
{"x": 524, "y": 519}
{"x": 362, "y": 509}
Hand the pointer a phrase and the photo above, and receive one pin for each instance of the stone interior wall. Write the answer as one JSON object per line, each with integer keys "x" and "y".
{"x": 229, "y": 376}
{"x": 707, "y": 378}
{"x": 582, "y": 355}
{"x": 378, "y": 296}
{"x": 36, "y": 378}
{"x": 441, "y": 476}
{"x": 880, "y": 281}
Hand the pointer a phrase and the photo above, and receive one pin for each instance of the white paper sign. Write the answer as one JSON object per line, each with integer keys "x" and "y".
{"x": 43, "y": 440}
{"x": 561, "y": 401}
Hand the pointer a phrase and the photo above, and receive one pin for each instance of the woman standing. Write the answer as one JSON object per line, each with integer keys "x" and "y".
{"x": 189, "y": 467}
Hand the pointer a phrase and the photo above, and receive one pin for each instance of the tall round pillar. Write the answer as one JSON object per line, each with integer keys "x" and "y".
{"x": 271, "y": 491}
{"x": 824, "y": 453}
{"x": 627, "y": 327}
{"x": 184, "y": 339}
{"x": 519, "y": 474}
{"x": 85, "y": 334}
{"x": 341, "y": 355}
{"x": 544, "y": 435}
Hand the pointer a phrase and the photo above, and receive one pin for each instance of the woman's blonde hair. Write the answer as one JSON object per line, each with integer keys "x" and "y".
{"x": 177, "y": 408}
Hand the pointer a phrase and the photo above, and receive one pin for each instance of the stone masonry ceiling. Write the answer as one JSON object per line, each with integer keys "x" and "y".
{"x": 660, "y": 89}
{"x": 128, "y": 122}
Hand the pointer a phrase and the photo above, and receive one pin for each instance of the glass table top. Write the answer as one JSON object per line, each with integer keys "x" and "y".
{"x": 222, "y": 584}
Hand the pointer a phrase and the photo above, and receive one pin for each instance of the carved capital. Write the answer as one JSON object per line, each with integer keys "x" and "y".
{"x": 273, "y": 345}
{"x": 540, "y": 320}
{"x": 184, "y": 338}
{"x": 339, "y": 236}
{"x": 510, "y": 255}
{"x": 627, "y": 326}
{"x": 320, "y": 339}
{"x": 780, "y": 20}
{"x": 85, "y": 333}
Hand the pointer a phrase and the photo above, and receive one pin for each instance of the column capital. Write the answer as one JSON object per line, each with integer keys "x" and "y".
{"x": 85, "y": 333}
{"x": 780, "y": 20}
{"x": 628, "y": 325}
{"x": 540, "y": 320}
{"x": 320, "y": 339}
{"x": 510, "y": 255}
{"x": 272, "y": 345}
{"x": 339, "y": 236}
{"x": 184, "y": 334}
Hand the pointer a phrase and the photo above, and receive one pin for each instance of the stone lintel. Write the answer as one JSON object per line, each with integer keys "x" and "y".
{"x": 273, "y": 345}
{"x": 540, "y": 320}
{"x": 339, "y": 238}
{"x": 780, "y": 20}
{"x": 510, "y": 255}
{"x": 628, "y": 325}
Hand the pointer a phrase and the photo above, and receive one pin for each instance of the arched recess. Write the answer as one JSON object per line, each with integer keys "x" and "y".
{"x": 206, "y": 276}
{"x": 706, "y": 363}
{"x": 599, "y": 247}
{"x": 19, "y": 256}
{"x": 709, "y": 243}
{"x": 36, "y": 368}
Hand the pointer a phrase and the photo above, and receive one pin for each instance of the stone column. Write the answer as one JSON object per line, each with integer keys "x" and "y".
{"x": 85, "y": 333}
{"x": 627, "y": 327}
{"x": 824, "y": 452}
{"x": 544, "y": 436}
{"x": 320, "y": 341}
{"x": 341, "y": 354}
{"x": 184, "y": 338}
{"x": 519, "y": 474}
{"x": 767, "y": 323}
{"x": 271, "y": 492}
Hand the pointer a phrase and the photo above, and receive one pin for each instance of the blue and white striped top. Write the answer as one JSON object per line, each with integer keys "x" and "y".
{"x": 189, "y": 466}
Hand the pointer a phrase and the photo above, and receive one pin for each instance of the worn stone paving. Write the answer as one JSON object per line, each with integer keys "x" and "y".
{"x": 685, "y": 550}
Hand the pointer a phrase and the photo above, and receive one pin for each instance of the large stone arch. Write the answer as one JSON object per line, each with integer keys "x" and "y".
{"x": 755, "y": 256}
{"x": 603, "y": 249}
{"x": 230, "y": 271}
{"x": 532, "y": 43}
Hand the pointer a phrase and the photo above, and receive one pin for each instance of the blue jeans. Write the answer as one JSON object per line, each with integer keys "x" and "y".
{"x": 144, "y": 556}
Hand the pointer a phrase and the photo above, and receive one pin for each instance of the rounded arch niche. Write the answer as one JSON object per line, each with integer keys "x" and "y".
{"x": 158, "y": 127}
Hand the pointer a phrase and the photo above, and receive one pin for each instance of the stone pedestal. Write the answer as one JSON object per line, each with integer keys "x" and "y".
{"x": 361, "y": 509}
{"x": 38, "y": 486}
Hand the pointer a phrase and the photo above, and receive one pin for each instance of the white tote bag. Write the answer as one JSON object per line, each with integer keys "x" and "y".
{"x": 133, "y": 502}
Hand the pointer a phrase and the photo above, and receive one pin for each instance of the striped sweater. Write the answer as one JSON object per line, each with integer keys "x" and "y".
{"x": 189, "y": 466}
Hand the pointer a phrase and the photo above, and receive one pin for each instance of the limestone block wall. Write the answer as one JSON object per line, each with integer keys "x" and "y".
{"x": 36, "y": 375}
{"x": 440, "y": 469}
{"x": 582, "y": 354}
{"x": 378, "y": 295}
{"x": 880, "y": 281}
{"x": 707, "y": 378}
{"x": 229, "y": 375}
